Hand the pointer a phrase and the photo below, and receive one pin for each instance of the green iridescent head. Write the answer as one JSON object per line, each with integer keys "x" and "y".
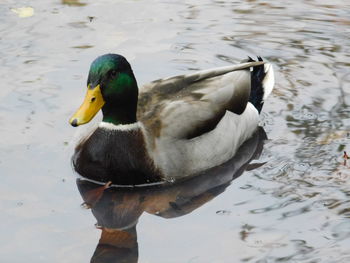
{"x": 112, "y": 86}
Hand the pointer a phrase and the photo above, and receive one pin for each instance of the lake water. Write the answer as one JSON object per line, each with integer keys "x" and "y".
{"x": 293, "y": 208}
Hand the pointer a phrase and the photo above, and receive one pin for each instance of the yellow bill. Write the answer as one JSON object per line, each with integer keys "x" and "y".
{"x": 93, "y": 102}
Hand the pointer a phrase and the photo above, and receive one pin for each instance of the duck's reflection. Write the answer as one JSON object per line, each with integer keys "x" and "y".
{"x": 117, "y": 210}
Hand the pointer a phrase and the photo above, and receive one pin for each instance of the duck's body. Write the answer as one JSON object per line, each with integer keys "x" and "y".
{"x": 183, "y": 125}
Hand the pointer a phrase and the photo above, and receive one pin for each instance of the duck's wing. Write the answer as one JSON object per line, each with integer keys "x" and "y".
{"x": 188, "y": 106}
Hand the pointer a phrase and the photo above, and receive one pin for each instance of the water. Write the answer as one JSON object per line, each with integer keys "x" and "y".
{"x": 294, "y": 208}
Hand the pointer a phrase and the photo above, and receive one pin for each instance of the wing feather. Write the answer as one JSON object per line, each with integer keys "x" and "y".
{"x": 187, "y": 106}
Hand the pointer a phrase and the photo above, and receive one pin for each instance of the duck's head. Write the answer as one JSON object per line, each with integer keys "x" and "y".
{"x": 112, "y": 87}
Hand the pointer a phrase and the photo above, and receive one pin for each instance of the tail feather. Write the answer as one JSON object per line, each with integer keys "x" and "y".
{"x": 262, "y": 82}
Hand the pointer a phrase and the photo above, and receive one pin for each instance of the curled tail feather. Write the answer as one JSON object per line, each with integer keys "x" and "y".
{"x": 262, "y": 82}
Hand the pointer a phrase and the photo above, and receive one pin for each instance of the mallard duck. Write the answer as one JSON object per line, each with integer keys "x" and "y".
{"x": 171, "y": 128}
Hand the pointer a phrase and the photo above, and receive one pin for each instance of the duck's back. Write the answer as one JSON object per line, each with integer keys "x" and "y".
{"x": 187, "y": 106}
{"x": 198, "y": 121}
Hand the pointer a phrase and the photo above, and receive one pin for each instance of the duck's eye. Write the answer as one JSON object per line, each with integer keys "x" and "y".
{"x": 114, "y": 73}
{"x": 92, "y": 99}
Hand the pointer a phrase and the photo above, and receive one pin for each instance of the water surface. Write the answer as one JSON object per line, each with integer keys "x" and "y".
{"x": 295, "y": 208}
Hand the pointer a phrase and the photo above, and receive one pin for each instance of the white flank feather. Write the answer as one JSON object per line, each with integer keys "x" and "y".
{"x": 180, "y": 158}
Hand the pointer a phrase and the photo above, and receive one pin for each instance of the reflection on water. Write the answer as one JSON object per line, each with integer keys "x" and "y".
{"x": 117, "y": 210}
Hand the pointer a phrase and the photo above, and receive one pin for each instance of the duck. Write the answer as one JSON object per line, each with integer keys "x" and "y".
{"x": 169, "y": 129}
